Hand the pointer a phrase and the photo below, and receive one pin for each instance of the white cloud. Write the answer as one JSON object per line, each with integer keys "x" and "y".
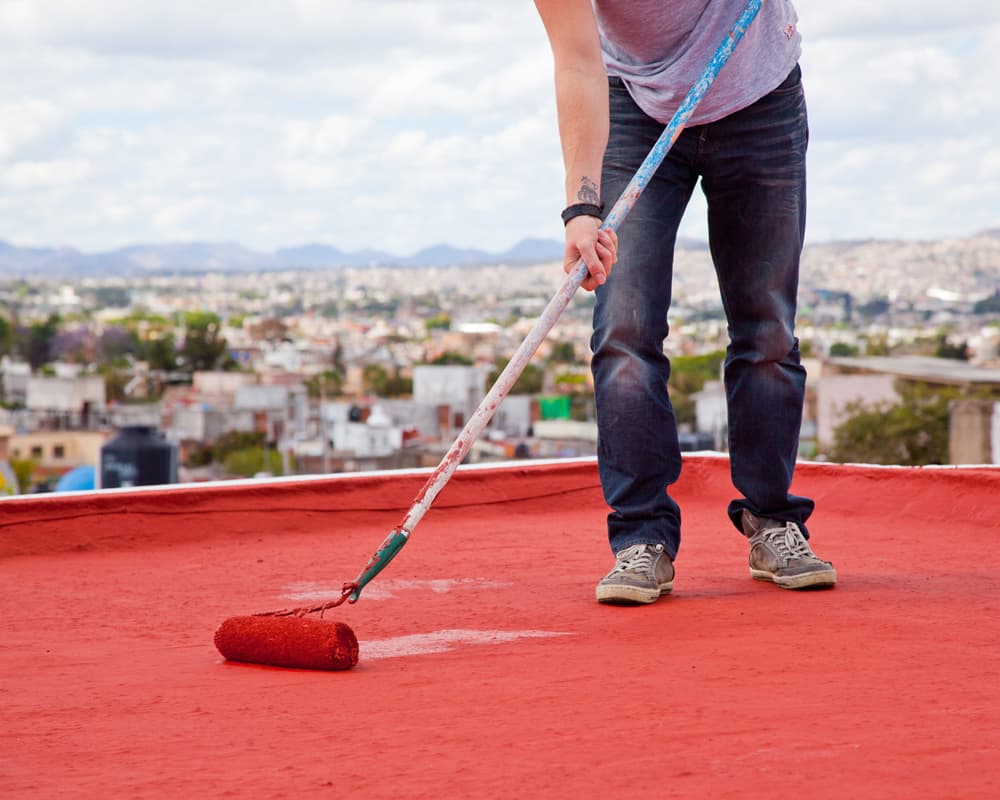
{"x": 24, "y": 121}
{"x": 42, "y": 174}
{"x": 171, "y": 215}
{"x": 328, "y": 136}
{"x": 935, "y": 173}
{"x": 990, "y": 162}
{"x": 408, "y": 144}
{"x": 398, "y": 124}
{"x": 861, "y": 19}
{"x": 308, "y": 174}
{"x": 909, "y": 190}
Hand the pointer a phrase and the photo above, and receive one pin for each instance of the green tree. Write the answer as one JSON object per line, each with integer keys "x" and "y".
{"x": 878, "y": 346}
{"x": 398, "y": 385}
{"x": 377, "y": 380}
{"x": 685, "y": 411}
{"x": 373, "y": 378}
{"x": 160, "y": 352}
{"x": 8, "y": 336}
{"x": 201, "y": 454}
{"x": 114, "y": 383}
{"x": 198, "y": 455}
{"x": 582, "y": 406}
{"x": 563, "y": 353}
{"x": 451, "y": 357}
{"x": 252, "y": 460}
{"x": 571, "y": 380}
{"x": 912, "y": 432}
{"x": 945, "y": 349}
{"x": 439, "y": 322}
{"x": 231, "y": 441}
{"x": 24, "y": 469}
{"x": 204, "y": 347}
{"x": 530, "y": 380}
{"x": 843, "y": 349}
{"x": 688, "y": 375}
{"x": 328, "y": 383}
{"x": 39, "y": 341}
{"x": 140, "y": 316}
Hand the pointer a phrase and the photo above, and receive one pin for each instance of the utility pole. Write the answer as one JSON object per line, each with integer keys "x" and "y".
{"x": 322, "y": 425}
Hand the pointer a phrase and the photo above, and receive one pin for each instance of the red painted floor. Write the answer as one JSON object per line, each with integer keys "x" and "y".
{"x": 487, "y": 669}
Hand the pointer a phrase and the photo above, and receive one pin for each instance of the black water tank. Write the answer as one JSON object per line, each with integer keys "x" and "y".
{"x": 138, "y": 456}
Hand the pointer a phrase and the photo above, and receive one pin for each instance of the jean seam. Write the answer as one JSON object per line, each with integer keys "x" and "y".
{"x": 702, "y": 139}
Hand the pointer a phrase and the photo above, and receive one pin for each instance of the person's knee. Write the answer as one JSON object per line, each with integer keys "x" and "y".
{"x": 626, "y": 357}
{"x": 768, "y": 342}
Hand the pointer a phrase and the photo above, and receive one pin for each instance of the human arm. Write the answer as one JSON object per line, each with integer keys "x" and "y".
{"x": 582, "y": 104}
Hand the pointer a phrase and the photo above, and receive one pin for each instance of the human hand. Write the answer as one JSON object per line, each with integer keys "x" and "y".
{"x": 596, "y": 246}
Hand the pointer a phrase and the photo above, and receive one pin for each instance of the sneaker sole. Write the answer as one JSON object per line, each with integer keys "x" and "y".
{"x": 808, "y": 580}
{"x": 631, "y": 595}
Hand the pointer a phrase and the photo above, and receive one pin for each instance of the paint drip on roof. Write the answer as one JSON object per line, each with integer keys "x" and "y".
{"x": 442, "y": 641}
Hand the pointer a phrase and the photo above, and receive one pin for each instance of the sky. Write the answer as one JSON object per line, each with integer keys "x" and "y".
{"x": 399, "y": 124}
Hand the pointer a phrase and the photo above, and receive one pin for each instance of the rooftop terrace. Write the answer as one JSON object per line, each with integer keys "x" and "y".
{"x": 487, "y": 669}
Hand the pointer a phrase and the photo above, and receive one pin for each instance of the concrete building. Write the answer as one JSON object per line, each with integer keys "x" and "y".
{"x": 838, "y": 391}
{"x": 281, "y": 411}
{"x": 973, "y": 434}
{"x": 58, "y": 451}
{"x": 516, "y": 415}
{"x": 216, "y": 383}
{"x": 565, "y": 438}
{"x": 477, "y": 340}
{"x": 71, "y": 393}
{"x": 711, "y": 414}
{"x": 203, "y": 422}
{"x": 427, "y": 420}
{"x": 15, "y": 375}
{"x": 283, "y": 357}
{"x": 375, "y": 437}
{"x": 458, "y": 386}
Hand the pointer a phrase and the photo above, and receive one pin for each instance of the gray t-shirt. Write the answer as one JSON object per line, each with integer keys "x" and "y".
{"x": 659, "y": 48}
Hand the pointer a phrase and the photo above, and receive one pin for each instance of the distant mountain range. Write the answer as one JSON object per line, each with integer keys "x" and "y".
{"x": 223, "y": 257}
{"x": 220, "y": 256}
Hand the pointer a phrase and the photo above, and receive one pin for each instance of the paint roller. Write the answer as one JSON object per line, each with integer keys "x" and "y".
{"x": 287, "y": 638}
{"x": 288, "y": 642}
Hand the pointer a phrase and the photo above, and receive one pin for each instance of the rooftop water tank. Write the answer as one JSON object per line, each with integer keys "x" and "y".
{"x": 138, "y": 456}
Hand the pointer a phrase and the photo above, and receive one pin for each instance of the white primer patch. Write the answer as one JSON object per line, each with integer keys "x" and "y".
{"x": 419, "y": 644}
{"x": 311, "y": 592}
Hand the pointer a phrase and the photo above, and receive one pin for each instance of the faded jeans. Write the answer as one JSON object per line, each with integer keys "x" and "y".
{"x": 752, "y": 170}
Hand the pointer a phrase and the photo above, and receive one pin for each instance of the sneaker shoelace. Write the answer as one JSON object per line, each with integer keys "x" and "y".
{"x": 788, "y": 541}
{"x": 637, "y": 558}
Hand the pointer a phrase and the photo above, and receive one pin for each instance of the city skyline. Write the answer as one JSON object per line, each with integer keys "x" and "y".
{"x": 399, "y": 126}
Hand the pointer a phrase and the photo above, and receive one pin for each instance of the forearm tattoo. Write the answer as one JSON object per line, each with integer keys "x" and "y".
{"x": 588, "y": 191}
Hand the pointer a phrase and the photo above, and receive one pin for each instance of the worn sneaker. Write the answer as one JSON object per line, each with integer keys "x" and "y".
{"x": 780, "y": 553}
{"x": 641, "y": 574}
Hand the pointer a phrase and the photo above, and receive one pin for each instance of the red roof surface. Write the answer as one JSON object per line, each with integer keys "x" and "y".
{"x": 487, "y": 669}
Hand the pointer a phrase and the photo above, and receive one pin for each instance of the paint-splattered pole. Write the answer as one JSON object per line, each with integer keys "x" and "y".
{"x": 488, "y": 407}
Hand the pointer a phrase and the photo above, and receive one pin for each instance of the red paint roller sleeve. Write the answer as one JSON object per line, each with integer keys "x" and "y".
{"x": 288, "y": 642}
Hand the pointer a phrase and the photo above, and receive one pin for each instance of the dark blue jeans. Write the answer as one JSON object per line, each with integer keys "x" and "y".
{"x": 752, "y": 170}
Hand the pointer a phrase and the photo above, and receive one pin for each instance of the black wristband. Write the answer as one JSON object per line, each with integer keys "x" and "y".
{"x": 581, "y": 210}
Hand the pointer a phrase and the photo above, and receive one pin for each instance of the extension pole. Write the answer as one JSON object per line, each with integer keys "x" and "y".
{"x": 488, "y": 407}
